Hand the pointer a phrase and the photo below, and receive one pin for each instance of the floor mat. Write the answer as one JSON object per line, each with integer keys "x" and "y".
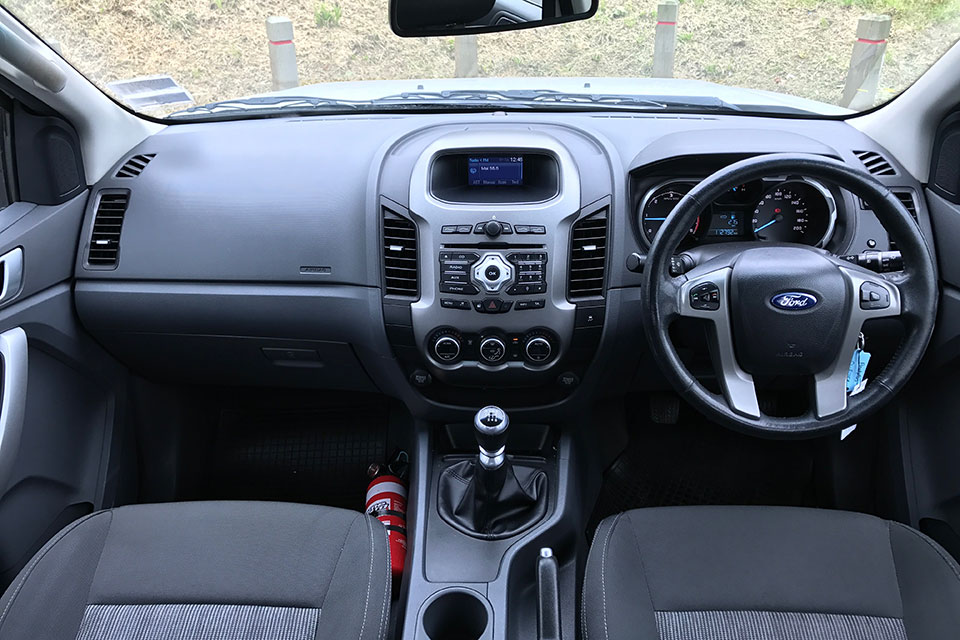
{"x": 699, "y": 463}
{"x": 316, "y": 456}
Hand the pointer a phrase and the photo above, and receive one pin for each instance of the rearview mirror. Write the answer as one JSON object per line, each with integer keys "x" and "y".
{"x": 417, "y": 18}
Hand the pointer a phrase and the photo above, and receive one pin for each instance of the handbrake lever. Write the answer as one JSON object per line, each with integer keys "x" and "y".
{"x": 548, "y": 596}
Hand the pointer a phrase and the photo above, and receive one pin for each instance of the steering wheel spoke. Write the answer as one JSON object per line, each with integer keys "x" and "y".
{"x": 707, "y": 297}
{"x": 872, "y": 297}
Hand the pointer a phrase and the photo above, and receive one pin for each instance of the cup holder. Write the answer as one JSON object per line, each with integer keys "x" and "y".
{"x": 455, "y": 614}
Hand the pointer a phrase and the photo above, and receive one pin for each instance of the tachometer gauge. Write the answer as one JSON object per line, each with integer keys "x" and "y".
{"x": 658, "y": 204}
{"x": 795, "y": 211}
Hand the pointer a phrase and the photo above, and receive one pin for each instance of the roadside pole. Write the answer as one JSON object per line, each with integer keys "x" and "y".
{"x": 283, "y": 55}
{"x": 465, "y": 54}
{"x": 863, "y": 77}
{"x": 665, "y": 42}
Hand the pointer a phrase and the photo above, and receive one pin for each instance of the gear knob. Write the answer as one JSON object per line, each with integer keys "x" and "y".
{"x": 490, "y": 428}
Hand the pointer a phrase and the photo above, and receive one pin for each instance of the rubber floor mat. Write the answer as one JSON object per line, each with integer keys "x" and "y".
{"x": 315, "y": 456}
{"x": 698, "y": 463}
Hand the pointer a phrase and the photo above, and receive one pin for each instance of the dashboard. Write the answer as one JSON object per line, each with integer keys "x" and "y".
{"x": 447, "y": 260}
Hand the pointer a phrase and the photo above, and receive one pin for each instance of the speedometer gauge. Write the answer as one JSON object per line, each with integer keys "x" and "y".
{"x": 795, "y": 211}
{"x": 658, "y": 204}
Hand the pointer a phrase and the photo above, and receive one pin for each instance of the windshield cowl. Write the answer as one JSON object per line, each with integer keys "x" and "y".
{"x": 645, "y": 94}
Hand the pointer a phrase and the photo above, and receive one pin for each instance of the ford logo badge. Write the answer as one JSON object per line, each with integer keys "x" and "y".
{"x": 794, "y": 301}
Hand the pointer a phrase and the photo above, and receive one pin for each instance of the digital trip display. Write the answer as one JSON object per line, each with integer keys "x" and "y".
{"x": 487, "y": 171}
{"x": 726, "y": 223}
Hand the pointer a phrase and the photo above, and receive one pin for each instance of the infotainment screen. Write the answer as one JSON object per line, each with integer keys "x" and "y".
{"x": 491, "y": 171}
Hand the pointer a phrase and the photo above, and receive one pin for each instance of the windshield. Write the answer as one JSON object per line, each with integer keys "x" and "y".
{"x": 164, "y": 57}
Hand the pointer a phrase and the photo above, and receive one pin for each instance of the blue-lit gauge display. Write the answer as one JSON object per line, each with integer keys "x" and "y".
{"x": 795, "y": 211}
{"x": 658, "y": 204}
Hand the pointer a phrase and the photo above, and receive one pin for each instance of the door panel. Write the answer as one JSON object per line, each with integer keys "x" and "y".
{"x": 61, "y": 395}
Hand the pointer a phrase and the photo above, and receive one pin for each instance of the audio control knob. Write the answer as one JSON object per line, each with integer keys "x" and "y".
{"x": 492, "y": 349}
{"x": 537, "y": 348}
{"x": 493, "y": 228}
{"x": 446, "y": 347}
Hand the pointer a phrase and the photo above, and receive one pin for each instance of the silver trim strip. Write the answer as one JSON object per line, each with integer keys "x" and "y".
{"x": 13, "y": 398}
{"x": 11, "y": 266}
{"x": 830, "y": 385}
{"x": 737, "y": 384}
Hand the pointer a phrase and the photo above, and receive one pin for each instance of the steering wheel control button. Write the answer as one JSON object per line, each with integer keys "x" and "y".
{"x": 874, "y": 296}
{"x": 492, "y": 272}
{"x": 705, "y": 297}
{"x": 492, "y": 350}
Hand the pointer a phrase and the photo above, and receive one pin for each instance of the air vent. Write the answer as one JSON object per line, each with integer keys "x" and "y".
{"x": 107, "y": 223}
{"x": 875, "y": 163}
{"x": 906, "y": 199}
{"x": 135, "y": 165}
{"x": 588, "y": 256}
{"x": 399, "y": 255}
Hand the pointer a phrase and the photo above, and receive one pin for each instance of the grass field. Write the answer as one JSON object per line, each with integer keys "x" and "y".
{"x": 217, "y": 49}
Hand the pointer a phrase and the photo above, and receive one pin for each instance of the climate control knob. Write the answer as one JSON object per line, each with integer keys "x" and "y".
{"x": 492, "y": 349}
{"x": 537, "y": 348}
{"x": 446, "y": 346}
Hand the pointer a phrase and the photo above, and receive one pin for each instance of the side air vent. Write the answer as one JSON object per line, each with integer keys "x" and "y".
{"x": 906, "y": 198}
{"x": 107, "y": 223}
{"x": 399, "y": 255}
{"x": 135, "y": 165}
{"x": 875, "y": 163}
{"x": 588, "y": 257}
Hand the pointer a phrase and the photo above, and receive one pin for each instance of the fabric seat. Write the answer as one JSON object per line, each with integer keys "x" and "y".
{"x": 766, "y": 573}
{"x": 206, "y": 570}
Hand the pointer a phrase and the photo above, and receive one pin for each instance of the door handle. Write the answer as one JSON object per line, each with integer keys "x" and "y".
{"x": 13, "y": 398}
{"x": 11, "y": 272}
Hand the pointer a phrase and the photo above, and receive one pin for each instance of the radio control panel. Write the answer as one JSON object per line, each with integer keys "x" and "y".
{"x": 486, "y": 273}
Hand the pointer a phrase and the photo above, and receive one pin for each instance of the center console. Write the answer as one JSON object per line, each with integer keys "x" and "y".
{"x": 496, "y": 217}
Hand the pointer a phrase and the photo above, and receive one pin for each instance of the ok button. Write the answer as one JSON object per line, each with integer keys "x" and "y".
{"x": 492, "y": 273}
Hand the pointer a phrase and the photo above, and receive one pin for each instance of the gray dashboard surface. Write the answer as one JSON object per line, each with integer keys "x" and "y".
{"x": 297, "y": 201}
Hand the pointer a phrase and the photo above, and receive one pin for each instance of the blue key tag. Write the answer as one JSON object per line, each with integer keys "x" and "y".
{"x": 858, "y": 368}
{"x": 855, "y": 380}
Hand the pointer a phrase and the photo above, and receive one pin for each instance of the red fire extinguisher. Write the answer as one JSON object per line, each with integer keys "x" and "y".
{"x": 387, "y": 502}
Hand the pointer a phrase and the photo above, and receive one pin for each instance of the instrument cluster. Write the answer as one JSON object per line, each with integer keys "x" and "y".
{"x": 799, "y": 210}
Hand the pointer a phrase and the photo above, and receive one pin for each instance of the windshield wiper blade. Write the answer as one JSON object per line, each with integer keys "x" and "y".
{"x": 269, "y": 103}
{"x": 548, "y": 96}
{"x": 628, "y": 99}
{"x": 458, "y": 98}
{"x": 277, "y": 104}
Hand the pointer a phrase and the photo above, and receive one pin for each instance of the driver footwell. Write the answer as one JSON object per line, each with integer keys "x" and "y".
{"x": 695, "y": 462}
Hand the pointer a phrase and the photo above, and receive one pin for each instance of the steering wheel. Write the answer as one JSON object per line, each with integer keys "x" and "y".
{"x": 756, "y": 330}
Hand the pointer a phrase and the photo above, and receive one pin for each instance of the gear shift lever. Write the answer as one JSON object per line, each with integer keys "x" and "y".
{"x": 489, "y": 496}
{"x": 490, "y": 428}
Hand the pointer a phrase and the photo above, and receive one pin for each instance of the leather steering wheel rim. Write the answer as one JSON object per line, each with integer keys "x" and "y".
{"x": 917, "y": 284}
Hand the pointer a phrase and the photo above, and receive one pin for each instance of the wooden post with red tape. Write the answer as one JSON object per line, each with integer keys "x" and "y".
{"x": 665, "y": 41}
{"x": 466, "y": 61}
{"x": 283, "y": 55}
{"x": 863, "y": 77}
